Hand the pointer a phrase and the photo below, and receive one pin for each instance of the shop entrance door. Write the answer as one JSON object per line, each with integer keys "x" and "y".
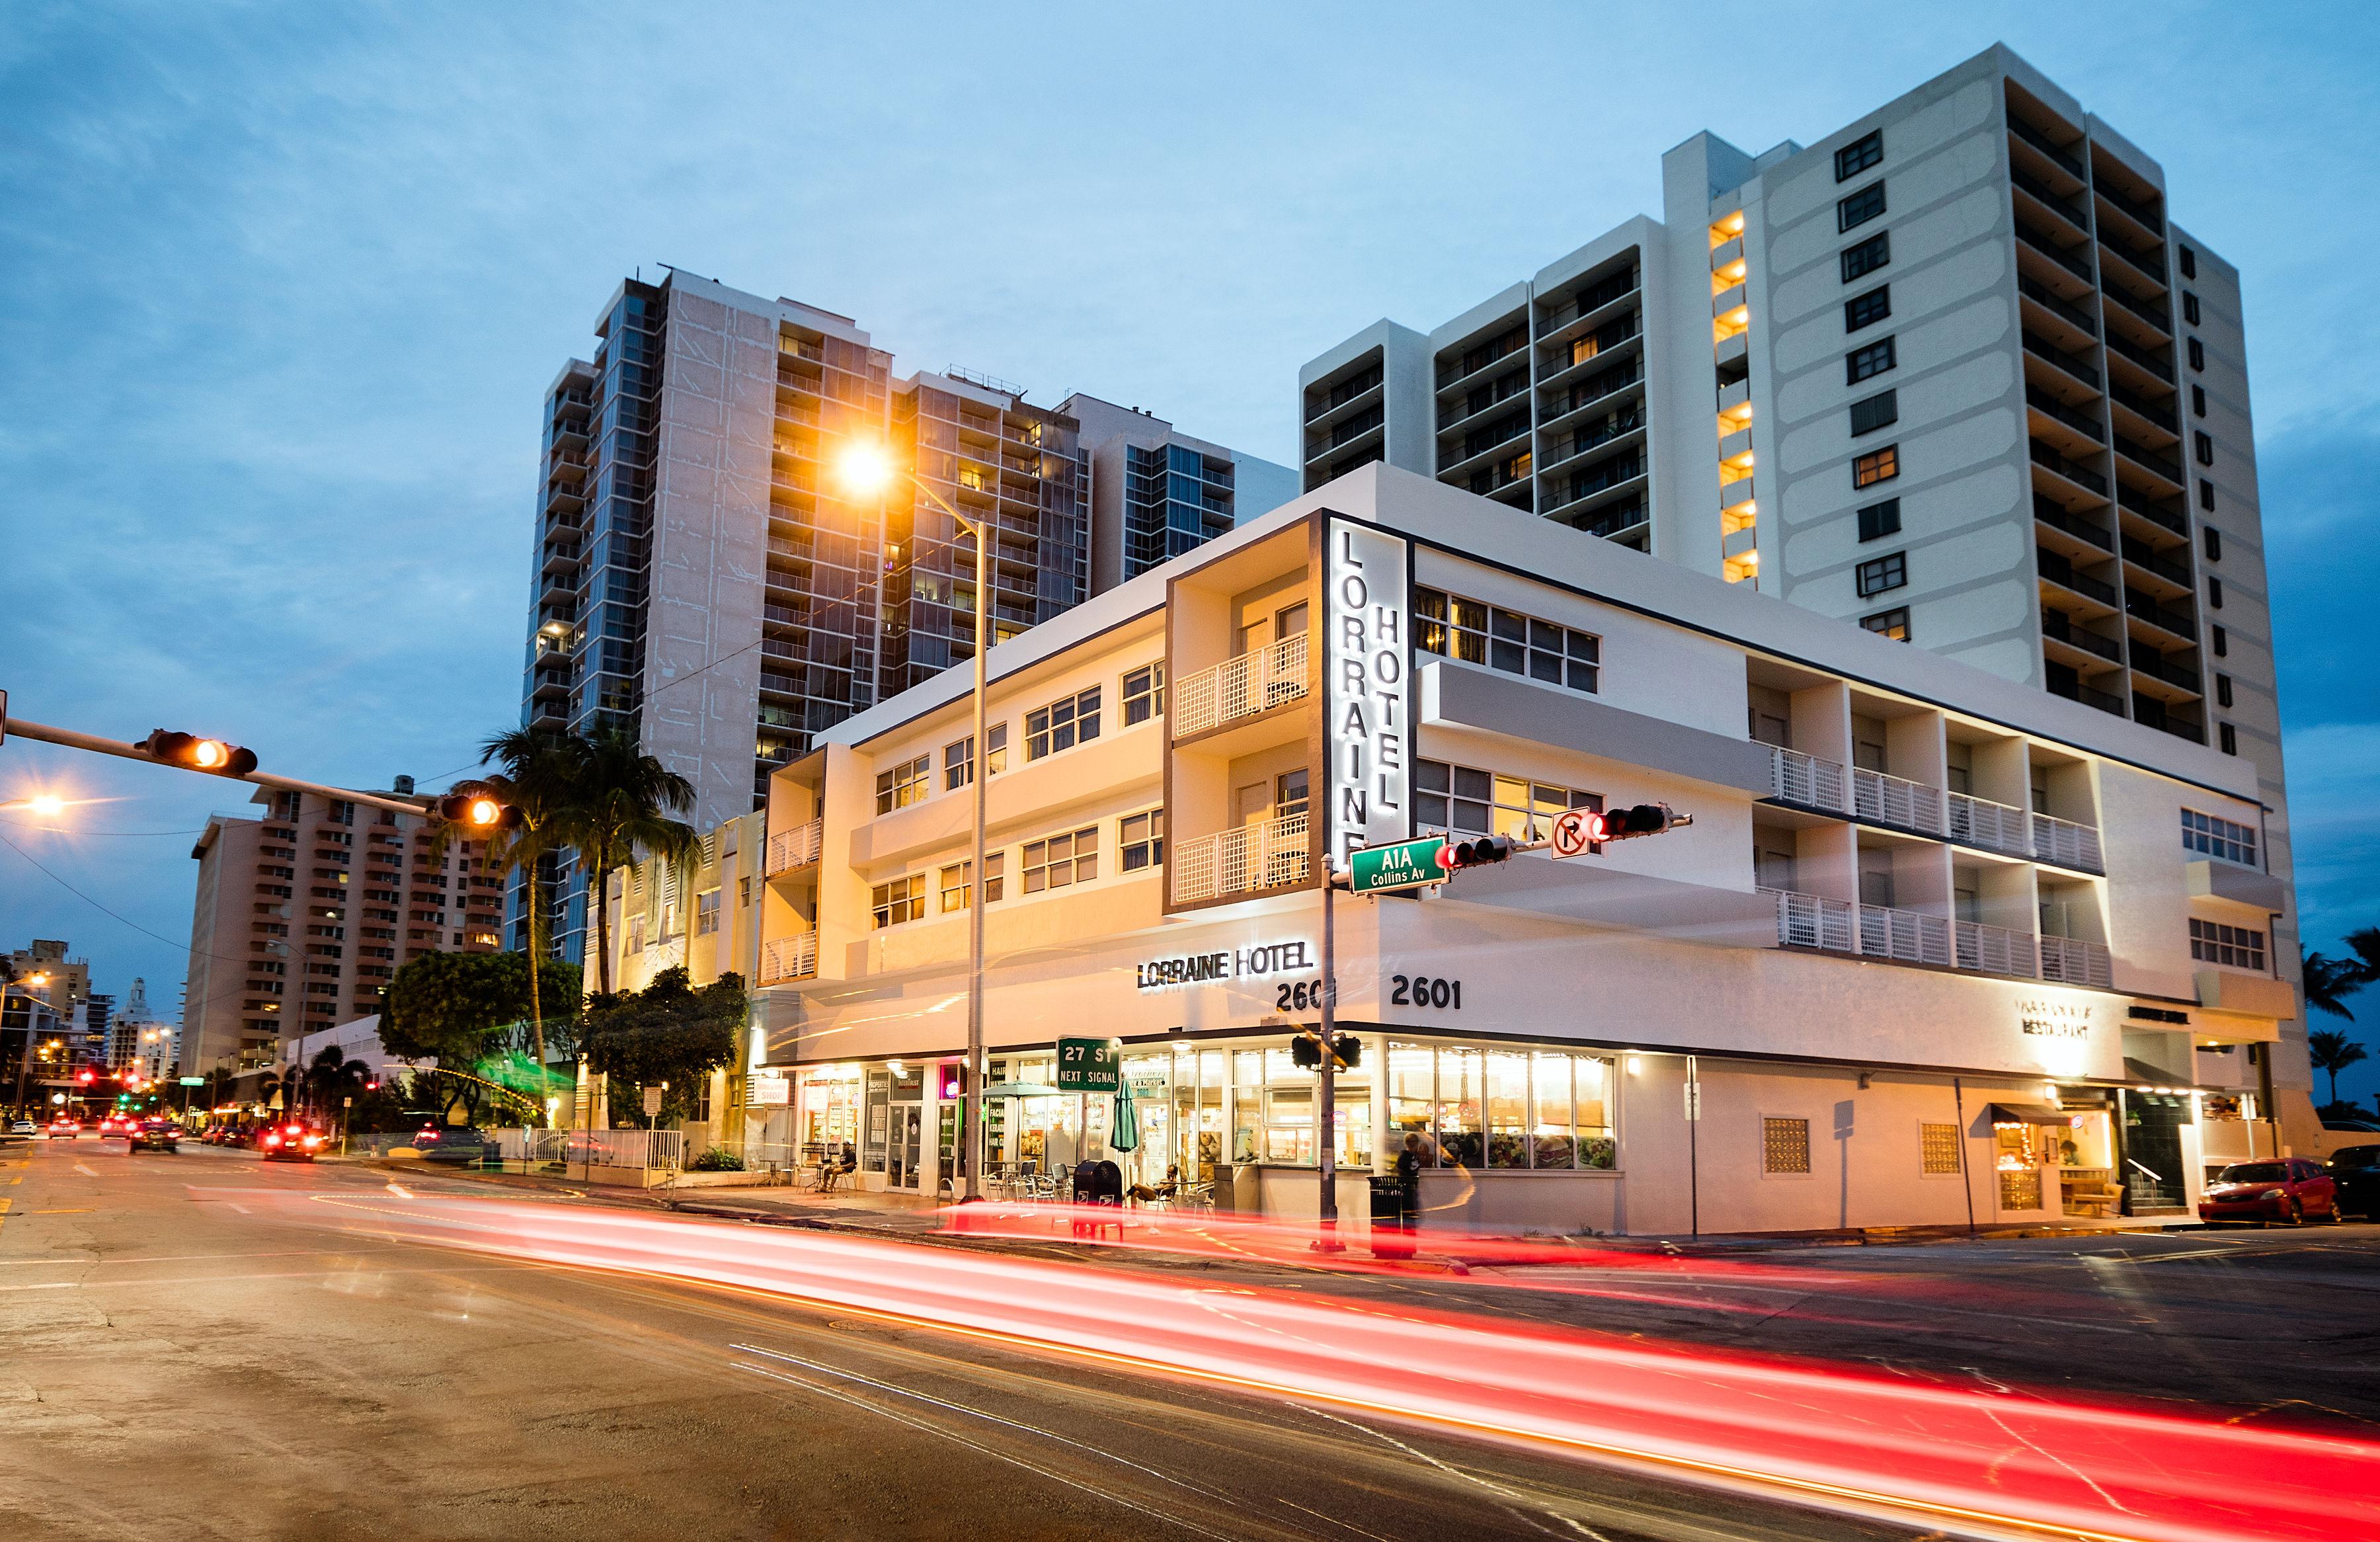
{"x": 903, "y": 1159}
{"x": 2153, "y": 1176}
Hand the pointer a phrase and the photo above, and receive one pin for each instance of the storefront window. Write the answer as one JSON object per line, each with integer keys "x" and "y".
{"x": 1596, "y": 1148}
{"x": 831, "y": 1109}
{"x": 1460, "y": 1141}
{"x": 1412, "y": 1090}
{"x": 1289, "y": 1110}
{"x": 1508, "y": 1109}
{"x": 2018, "y": 1158}
{"x": 1247, "y": 1103}
{"x": 1552, "y": 1144}
{"x": 880, "y": 1115}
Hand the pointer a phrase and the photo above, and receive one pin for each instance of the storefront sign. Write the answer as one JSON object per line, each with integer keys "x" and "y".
{"x": 1367, "y": 649}
{"x": 767, "y": 1089}
{"x": 1145, "y": 1084}
{"x": 2053, "y": 1019}
{"x": 1089, "y": 1064}
{"x": 1266, "y": 958}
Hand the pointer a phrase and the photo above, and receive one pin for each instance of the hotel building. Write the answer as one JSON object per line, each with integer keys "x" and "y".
{"x": 1951, "y": 372}
{"x": 1935, "y": 939}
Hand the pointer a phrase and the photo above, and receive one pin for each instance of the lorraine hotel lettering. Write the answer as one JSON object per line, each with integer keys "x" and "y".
{"x": 1369, "y": 700}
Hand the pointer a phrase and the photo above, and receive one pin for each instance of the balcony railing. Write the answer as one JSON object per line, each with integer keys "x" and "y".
{"x": 1896, "y": 800}
{"x": 2081, "y": 475}
{"x": 789, "y": 958}
{"x": 1241, "y": 688}
{"x": 1256, "y": 857}
{"x": 1976, "y": 821}
{"x": 1808, "y": 779}
{"x": 1880, "y": 932}
{"x": 2075, "y": 316}
{"x": 2067, "y": 843}
{"x": 797, "y": 847}
{"x": 2047, "y": 145}
{"x": 2071, "y": 961}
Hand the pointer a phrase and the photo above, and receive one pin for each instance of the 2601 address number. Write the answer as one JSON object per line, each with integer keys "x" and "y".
{"x": 1422, "y": 991}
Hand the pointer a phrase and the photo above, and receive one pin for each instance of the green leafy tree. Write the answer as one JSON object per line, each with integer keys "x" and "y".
{"x": 667, "y": 1032}
{"x": 620, "y": 803}
{"x": 454, "y": 1007}
{"x": 2334, "y": 1052}
{"x": 332, "y": 1079}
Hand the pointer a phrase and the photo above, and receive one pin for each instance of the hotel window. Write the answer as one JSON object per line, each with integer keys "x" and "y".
{"x": 2211, "y": 836}
{"x": 2198, "y": 401}
{"x": 2207, "y": 494}
{"x": 958, "y": 759}
{"x": 706, "y": 913}
{"x": 1140, "y": 841}
{"x": 903, "y": 899}
{"x": 1938, "y": 1149}
{"x": 2235, "y": 947}
{"x": 1871, "y": 413}
{"x": 902, "y": 785}
{"x": 1878, "y": 520}
{"x": 1062, "y": 859}
{"x": 1508, "y": 1107}
{"x": 1453, "y": 627}
{"x": 2223, "y": 690}
{"x": 2203, "y": 445}
{"x": 1870, "y": 361}
{"x": 2197, "y": 354}
{"x": 1860, "y": 207}
{"x": 2213, "y": 592}
{"x": 1882, "y": 573}
{"x": 956, "y": 886}
{"x": 636, "y": 934}
{"x": 1784, "y": 1146}
{"x": 1860, "y": 154}
{"x": 2222, "y": 641}
{"x": 2189, "y": 261}
{"x": 2190, "y": 307}
{"x": 1876, "y": 466}
{"x": 1465, "y": 799}
{"x": 1862, "y": 311}
{"x": 1893, "y": 623}
{"x": 1144, "y": 694}
{"x": 2212, "y": 539}
{"x": 2227, "y": 738}
{"x": 1062, "y": 725}
{"x": 1867, "y": 257}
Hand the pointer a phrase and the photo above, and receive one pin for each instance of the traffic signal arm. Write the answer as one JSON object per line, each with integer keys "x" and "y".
{"x": 72, "y": 739}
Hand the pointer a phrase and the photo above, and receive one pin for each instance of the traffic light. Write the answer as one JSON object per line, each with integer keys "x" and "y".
{"x": 1305, "y": 1051}
{"x": 478, "y": 811}
{"x": 87, "y": 1078}
{"x": 1644, "y": 818}
{"x": 192, "y": 753}
{"x": 1476, "y": 851}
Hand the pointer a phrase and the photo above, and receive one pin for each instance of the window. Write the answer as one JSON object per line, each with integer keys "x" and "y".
{"x": 1868, "y": 362}
{"x": 1893, "y": 623}
{"x": 1140, "y": 841}
{"x": 1144, "y": 694}
{"x": 1860, "y": 207}
{"x": 1866, "y": 309}
{"x": 2236, "y": 947}
{"x": 1062, "y": 725}
{"x": 2206, "y": 494}
{"x": 1882, "y": 574}
{"x": 2211, "y": 540}
{"x": 2189, "y": 261}
{"x": 1937, "y": 1147}
{"x": 2223, "y": 690}
{"x": 1876, "y": 466}
{"x": 2204, "y": 446}
{"x": 706, "y": 913}
{"x": 1784, "y": 1146}
{"x": 1062, "y": 859}
{"x": 2213, "y": 592}
{"x": 1465, "y": 799}
{"x": 2227, "y": 738}
{"x": 743, "y": 893}
{"x": 902, "y": 785}
{"x": 1868, "y": 256}
{"x": 2217, "y": 837}
{"x": 958, "y": 759}
{"x": 1501, "y": 1109}
{"x": 2198, "y": 401}
{"x": 956, "y": 885}
{"x": 2197, "y": 354}
{"x": 2190, "y": 307}
{"x": 1860, "y": 154}
{"x": 2222, "y": 641}
{"x": 1871, "y": 413}
{"x": 903, "y": 899}
{"x": 1453, "y": 627}
{"x": 1878, "y": 520}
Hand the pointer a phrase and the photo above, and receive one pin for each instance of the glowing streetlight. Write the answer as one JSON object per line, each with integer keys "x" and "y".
{"x": 863, "y": 468}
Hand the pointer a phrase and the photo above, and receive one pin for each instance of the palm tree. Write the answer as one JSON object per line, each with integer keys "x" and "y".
{"x": 619, "y": 804}
{"x": 2366, "y": 945}
{"x": 2334, "y": 1053}
{"x": 2329, "y": 981}
{"x": 333, "y": 1075}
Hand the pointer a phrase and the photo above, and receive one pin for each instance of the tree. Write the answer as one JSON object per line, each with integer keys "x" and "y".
{"x": 2365, "y": 943}
{"x": 332, "y": 1079}
{"x": 667, "y": 1032}
{"x": 2334, "y": 1052}
{"x": 451, "y": 1007}
{"x": 2329, "y": 981}
{"x": 619, "y": 804}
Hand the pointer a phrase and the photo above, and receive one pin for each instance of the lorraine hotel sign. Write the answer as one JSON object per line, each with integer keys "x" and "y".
{"x": 1367, "y": 685}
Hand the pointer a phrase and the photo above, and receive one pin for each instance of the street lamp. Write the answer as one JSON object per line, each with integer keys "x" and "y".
{"x": 867, "y": 468}
{"x": 47, "y": 804}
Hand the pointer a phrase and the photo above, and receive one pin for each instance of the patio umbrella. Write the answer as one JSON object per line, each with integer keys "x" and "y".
{"x": 1124, "y": 1132}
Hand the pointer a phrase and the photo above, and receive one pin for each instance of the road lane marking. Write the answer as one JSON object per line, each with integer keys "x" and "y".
{"x": 84, "y": 1171}
{"x": 85, "y": 1210}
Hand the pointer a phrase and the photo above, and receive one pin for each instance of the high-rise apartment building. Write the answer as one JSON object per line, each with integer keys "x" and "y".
{"x": 1950, "y": 373}
{"x": 304, "y": 914}
{"x": 1157, "y": 493}
{"x": 35, "y": 1015}
{"x": 701, "y": 577}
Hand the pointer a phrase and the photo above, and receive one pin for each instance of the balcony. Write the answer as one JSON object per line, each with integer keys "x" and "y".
{"x": 2057, "y": 517}
{"x": 2068, "y": 845}
{"x": 1897, "y": 801}
{"x": 2048, "y": 405}
{"x": 2124, "y": 347}
{"x": 2058, "y": 626}
{"x": 1976, "y": 821}
{"x": 797, "y": 847}
{"x": 2057, "y": 570}
{"x": 1241, "y": 688}
{"x": 2074, "y": 316}
{"x": 789, "y": 958}
{"x": 2075, "y": 691}
{"x": 1910, "y": 937}
{"x": 2073, "y": 364}
{"x": 1255, "y": 858}
{"x": 2165, "y": 512}
{"x": 2071, "y": 961}
{"x": 2080, "y": 475}
{"x": 1807, "y": 779}
{"x": 2044, "y": 143}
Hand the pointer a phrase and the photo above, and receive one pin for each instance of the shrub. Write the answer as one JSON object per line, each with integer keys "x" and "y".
{"x": 719, "y": 1159}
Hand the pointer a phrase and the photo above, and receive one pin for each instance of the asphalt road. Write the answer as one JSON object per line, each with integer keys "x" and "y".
{"x": 222, "y": 1347}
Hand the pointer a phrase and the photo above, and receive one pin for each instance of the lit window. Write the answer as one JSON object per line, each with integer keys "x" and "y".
{"x": 1144, "y": 694}
{"x": 903, "y": 899}
{"x": 1453, "y": 627}
{"x": 1876, "y": 466}
{"x": 902, "y": 785}
{"x": 706, "y": 913}
{"x": 1062, "y": 724}
{"x": 1465, "y": 800}
{"x": 1938, "y": 1149}
{"x": 1141, "y": 841}
{"x": 1893, "y": 623}
{"x": 1062, "y": 859}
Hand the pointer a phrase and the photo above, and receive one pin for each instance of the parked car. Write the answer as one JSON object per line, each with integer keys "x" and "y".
{"x": 237, "y": 1135}
{"x": 2283, "y": 1191}
{"x": 2355, "y": 1172}
{"x": 2352, "y": 1126}
{"x": 151, "y": 1134}
{"x": 292, "y": 1142}
{"x": 23, "y": 1129}
{"x": 450, "y": 1143}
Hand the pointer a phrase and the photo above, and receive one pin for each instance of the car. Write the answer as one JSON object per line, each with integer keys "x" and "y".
{"x": 2351, "y": 1127}
{"x": 23, "y": 1129}
{"x": 63, "y": 1128}
{"x": 113, "y": 1124}
{"x": 235, "y": 1135}
{"x": 2283, "y": 1190}
{"x": 292, "y": 1142}
{"x": 450, "y": 1143}
{"x": 2355, "y": 1172}
{"x": 151, "y": 1134}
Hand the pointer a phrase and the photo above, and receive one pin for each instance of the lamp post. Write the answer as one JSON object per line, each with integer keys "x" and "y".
{"x": 867, "y": 468}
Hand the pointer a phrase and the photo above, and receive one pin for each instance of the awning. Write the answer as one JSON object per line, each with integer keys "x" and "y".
{"x": 1021, "y": 1089}
{"x": 2027, "y": 1114}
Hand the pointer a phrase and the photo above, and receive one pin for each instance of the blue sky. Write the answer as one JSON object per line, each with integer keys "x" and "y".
{"x": 285, "y": 283}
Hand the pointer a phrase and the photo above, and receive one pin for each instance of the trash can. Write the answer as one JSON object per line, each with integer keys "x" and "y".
{"x": 1393, "y": 1216}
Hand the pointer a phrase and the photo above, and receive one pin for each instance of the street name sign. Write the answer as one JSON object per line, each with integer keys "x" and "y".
{"x": 194, "y": 1081}
{"x": 1089, "y": 1064}
{"x": 1404, "y": 865}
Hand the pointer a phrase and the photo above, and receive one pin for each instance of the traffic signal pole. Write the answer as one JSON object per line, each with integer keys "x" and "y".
{"x": 1325, "y": 1123}
{"x": 72, "y": 739}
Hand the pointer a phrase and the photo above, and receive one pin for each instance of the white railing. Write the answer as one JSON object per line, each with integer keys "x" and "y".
{"x": 1241, "y": 688}
{"x": 1996, "y": 949}
{"x": 2067, "y": 843}
{"x": 1815, "y": 921}
{"x": 789, "y": 958}
{"x": 1910, "y": 936}
{"x": 1807, "y": 779}
{"x": 2071, "y": 961}
{"x": 1994, "y": 826}
{"x": 796, "y": 847}
{"x": 1254, "y": 857}
{"x": 1896, "y": 800}
{"x": 1880, "y": 932}
{"x": 655, "y": 1150}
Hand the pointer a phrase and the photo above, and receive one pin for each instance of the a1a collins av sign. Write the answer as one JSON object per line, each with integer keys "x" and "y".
{"x": 1367, "y": 699}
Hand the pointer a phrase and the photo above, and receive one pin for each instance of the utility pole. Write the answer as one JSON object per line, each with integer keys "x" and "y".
{"x": 1326, "y": 1119}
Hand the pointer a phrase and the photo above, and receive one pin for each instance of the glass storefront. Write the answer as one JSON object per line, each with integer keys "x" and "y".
{"x": 1513, "y": 1108}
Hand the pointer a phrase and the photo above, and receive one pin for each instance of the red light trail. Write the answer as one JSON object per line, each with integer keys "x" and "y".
{"x": 1993, "y": 1462}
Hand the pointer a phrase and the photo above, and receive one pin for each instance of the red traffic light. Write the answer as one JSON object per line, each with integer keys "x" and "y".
{"x": 88, "y": 1078}
{"x": 1474, "y": 851}
{"x": 191, "y": 752}
{"x": 372, "y": 1085}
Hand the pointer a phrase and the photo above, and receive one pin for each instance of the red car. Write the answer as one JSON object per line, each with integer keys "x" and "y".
{"x": 2285, "y": 1190}
{"x": 63, "y": 1128}
{"x": 292, "y": 1142}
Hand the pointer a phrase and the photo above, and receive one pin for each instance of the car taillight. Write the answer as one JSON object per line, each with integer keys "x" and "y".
{"x": 273, "y": 1140}
{"x": 313, "y": 1140}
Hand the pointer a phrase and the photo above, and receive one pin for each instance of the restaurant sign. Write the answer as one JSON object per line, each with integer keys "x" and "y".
{"x": 2045, "y": 1019}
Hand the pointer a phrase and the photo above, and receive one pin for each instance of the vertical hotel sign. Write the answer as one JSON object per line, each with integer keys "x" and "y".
{"x": 1367, "y": 699}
